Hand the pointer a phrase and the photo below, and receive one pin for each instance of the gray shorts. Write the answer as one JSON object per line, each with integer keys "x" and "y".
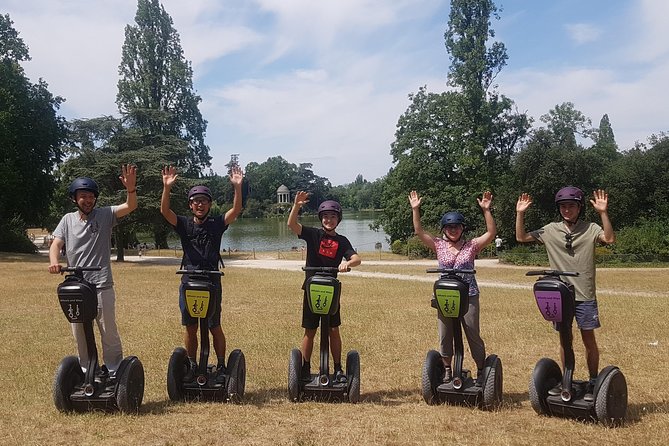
{"x": 586, "y": 314}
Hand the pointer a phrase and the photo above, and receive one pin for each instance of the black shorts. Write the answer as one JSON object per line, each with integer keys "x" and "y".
{"x": 311, "y": 320}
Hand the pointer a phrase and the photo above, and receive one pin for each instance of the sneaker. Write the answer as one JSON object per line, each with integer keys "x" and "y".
{"x": 555, "y": 391}
{"x": 221, "y": 371}
{"x": 340, "y": 377}
{"x": 589, "y": 392}
{"x": 306, "y": 371}
{"x": 479, "y": 378}
{"x": 448, "y": 375}
{"x": 191, "y": 372}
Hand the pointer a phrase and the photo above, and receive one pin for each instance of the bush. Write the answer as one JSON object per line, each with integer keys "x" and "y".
{"x": 13, "y": 237}
{"x": 412, "y": 248}
{"x": 648, "y": 239}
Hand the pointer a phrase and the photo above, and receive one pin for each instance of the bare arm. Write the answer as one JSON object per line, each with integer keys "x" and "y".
{"x": 355, "y": 260}
{"x": 300, "y": 200}
{"x": 236, "y": 178}
{"x": 169, "y": 177}
{"x": 54, "y": 255}
{"x": 600, "y": 202}
{"x": 129, "y": 179}
{"x": 415, "y": 202}
{"x": 491, "y": 227}
{"x": 524, "y": 202}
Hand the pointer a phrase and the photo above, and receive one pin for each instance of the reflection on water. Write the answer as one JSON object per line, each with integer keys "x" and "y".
{"x": 272, "y": 234}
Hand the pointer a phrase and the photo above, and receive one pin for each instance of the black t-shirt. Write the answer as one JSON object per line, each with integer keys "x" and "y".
{"x": 201, "y": 243}
{"x": 324, "y": 249}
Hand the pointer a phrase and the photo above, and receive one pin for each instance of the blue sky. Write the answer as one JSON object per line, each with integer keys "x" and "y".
{"x": 324, "y": 82}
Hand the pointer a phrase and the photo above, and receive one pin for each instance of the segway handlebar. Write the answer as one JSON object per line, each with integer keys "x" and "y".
{"x": 201, "y": 272}
{"x": 552, "y": 272}
{"x": 323, "y": 269}
{"x": 79, "y": 269}
{"x": 450, "y": 271}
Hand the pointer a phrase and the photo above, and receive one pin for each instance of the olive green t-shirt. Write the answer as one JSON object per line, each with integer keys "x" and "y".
{"x": 580, "y": 258}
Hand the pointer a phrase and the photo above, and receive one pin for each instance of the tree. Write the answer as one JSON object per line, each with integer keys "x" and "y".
{"x": 565, "y": 122}
{"x": 451, "y": 146}
{"x": 30, "y": 136}
{"x": 155, "y": 92}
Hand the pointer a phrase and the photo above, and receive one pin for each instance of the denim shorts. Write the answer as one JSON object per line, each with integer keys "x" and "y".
{"x": 586, "y": 314}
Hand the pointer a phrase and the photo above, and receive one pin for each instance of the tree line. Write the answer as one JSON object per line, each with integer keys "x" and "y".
{"x": 450, "y": 146}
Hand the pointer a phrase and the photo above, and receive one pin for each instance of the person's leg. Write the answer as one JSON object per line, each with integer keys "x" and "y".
{"x": 591, "y": 352}
{"x": 219, "y": 342}
{"x": 445, "y": 329}
{"x": 308, "y": 343}
{"x": 190, "y": 340}
{"x": 472, "y": 331}
{"x": 335, "y": 345}
{"x": 112, "y": 350}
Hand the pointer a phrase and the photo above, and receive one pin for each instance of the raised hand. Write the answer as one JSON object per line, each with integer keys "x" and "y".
{"x": 600, "y": 200}
{"x": 485, "y": 201}
{"x": 128, "y": 176}
{"x": 524, "y": 202}
{"x": 236, "y": 175}
{"x": 301, "y": 198}
{"x": 169, "y": 175}
{"x": 414, "y": 200}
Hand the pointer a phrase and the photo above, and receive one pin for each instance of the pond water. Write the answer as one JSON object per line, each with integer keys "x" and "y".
{"x": 272, "y": 234}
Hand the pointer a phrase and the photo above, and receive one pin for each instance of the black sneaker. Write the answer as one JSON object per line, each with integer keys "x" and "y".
{"x": 221, "y": 371}
{"x": 479, "y": 378}
{"x": 448, "y": 375}
{"x": 589, "y": 392}
{"x": 191, "y": 372}
{"x": 555, "y": 391}
{"x": 102, "y": 374}
{"x": 340, "y": 377}
{"x": 306, "y": 372}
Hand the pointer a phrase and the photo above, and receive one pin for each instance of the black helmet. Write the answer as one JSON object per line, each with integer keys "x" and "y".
{"x": 330, "y": 205}
{"x": 569, "y": 193}
{"x": 83, "y": 183}
{"x": 199, "y": 190}
{"x": 453, "y": 218}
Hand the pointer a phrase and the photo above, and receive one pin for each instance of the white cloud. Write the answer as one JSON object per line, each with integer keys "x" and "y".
{"x": 583, "y": 32}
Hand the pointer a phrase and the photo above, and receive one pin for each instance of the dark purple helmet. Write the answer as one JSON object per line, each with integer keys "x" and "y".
{"x": 83, "y": 183}
{"x": 199, "y": 190}
{"x": 569, "y": 193}
{"x": 330, "y": 205}
{"x": 453, "y": 218}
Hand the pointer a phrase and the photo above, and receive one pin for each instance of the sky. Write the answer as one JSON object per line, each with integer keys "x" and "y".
{"x": 325, "y": 82}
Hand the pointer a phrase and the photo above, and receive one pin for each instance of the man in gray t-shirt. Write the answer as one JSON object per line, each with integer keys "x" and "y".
{"x": 86, "y": 236}
{"x": 570, "y": 245}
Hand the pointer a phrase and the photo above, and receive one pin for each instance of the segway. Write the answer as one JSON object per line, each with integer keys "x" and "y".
{"x": 204, "y": 386}
{"x": 323, "y": 292}
{"x": 96, "y": 388}
{"x": 451, "y": 298}
{"x": 555, "y": 299}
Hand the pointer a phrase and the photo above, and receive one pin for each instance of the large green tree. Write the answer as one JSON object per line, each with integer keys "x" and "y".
{"x": 155, "y": 92}
{"x": 30, "y": 136}
{"x": 451, "y": 146}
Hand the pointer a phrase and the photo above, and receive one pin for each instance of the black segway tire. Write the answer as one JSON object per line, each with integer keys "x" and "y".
{"x": 492, "y": 388}
{"x": 68, "y": 376}
{"x": 433, "y": 373}
{"x": 294, "y": 370}
{"x": 546, "y": 375}
{"x": 611, "y": 399}
{"x": 130, "y": 391}
{"x": 176, "y": 370}
{"x": 353, "y": 376}
{"x": 236, "y": 376}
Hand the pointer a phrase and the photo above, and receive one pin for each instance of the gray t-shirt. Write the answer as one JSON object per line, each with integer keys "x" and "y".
{"x": 580, "y": 258}
{"x": 88, "y": 242}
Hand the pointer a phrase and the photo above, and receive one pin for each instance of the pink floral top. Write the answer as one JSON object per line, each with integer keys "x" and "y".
{"x": 464, "y": 259}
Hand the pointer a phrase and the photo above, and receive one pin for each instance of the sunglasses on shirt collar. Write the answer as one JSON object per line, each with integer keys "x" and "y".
{"x": 568, "y": 237}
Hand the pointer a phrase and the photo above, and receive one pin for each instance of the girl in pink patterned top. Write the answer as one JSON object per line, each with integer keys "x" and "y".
{"x": 453, "y": 251}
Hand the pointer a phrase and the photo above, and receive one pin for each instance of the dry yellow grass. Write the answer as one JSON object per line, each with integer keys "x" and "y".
{"x": 388, "y": 321}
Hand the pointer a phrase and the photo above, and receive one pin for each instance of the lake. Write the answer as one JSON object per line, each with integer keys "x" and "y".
{"x": 272, "y": 234}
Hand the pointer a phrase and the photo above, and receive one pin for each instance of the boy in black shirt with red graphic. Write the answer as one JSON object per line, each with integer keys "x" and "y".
{"x": 324, "y": 248}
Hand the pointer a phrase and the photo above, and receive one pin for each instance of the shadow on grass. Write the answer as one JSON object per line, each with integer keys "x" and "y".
{"x": 635, "y": 412}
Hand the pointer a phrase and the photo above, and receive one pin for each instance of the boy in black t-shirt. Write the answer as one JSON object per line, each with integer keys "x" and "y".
{"x": 200, "y": 236}
{"x": 324, "y": 248}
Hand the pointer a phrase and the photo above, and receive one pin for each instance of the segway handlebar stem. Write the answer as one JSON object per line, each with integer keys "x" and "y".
{"x": 552, "y": 272}
{"x": 451, "y": 271}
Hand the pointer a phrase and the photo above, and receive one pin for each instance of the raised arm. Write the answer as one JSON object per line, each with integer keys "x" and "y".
{"x": 415, "y": 202}
{"x": 236, "y": 177}
{"x": 491, "y": 229}
{"x": 301, "y": 198}
{"x": 129, "y": 179}
{"x": 169, "y": 177}
{"x": 523, "y": 203}
{"x": 600, "y": 202}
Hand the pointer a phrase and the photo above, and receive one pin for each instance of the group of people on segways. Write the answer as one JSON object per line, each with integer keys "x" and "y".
{"x": 84, "y": 237}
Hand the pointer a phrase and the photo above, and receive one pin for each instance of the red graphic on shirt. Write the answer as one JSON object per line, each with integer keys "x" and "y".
{"x": 328, "y": 248}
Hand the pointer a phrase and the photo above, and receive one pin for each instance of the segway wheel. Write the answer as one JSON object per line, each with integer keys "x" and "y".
{"x": 68, "y": 376}
{"x": 611, "y": 400}
{"x": 492, "y": 388}
{"x": 546, "y": 375}
{"x": 353, "y": 376}
{"x": 236, "y": 376}
{"x": 130, "y": 391}
{"x": 433, "y": 372}
{"x": 176, "y": 371}
{"x": 294, "y": 370}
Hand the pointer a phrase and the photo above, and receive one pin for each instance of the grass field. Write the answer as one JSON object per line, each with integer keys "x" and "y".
{"x": 389, "y": 321}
